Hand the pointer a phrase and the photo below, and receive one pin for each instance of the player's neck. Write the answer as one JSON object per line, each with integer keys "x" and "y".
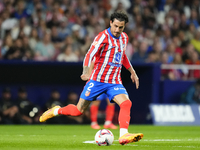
{"x": 109, "y": 31}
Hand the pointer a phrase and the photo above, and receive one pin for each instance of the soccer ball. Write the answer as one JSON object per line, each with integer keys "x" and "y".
{"x": 104, "y": 137}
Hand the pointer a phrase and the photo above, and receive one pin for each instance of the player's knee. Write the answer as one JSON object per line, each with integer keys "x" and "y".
{"x": 126, "y": 104}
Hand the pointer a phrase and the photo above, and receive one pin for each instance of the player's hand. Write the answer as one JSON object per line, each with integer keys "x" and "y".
{"x": 85, "y": 77}
{"x": 135, "y": 80}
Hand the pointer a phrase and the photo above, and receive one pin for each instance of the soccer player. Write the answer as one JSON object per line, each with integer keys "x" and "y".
{"x": 109, "y": 49}
{"x": 110, "y": 110}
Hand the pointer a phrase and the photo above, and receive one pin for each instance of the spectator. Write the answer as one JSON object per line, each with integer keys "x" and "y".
{"x": 29, "y": 112}
{"x": 42, "y": 29}
{"x": 177, "y": 44}
{"x": 8, "y": 23}
{"x": 171, "y": 52}
{"x": 29, "y": 53}
{"x": 192, "y": 95}
{"x": 16, "y": 52}
{"x": 193, "y": 19}
{"x": 148, "y": 18}
{"x": 53, "y": 101}
{"x": 180, "y": 73}
{"x": 196, "y": 41}
{"x": 38, "y": 14}
{"x": 141, "y": 54}
{"x": 22, "y": 28}
{"x": 152, "y": 57}
{"x": 64, "y": 30}
{"x": 183, "y": 22}
{"x": 157, "y": 48}
{"x": 45, "y": 50}
{"x": 34, "y": 38}
{"x": 9, "y": 112}
{"x": 187, "y": 51}
{"x": 20, "y": 10}
{"x": 190, "y": 32}
{"x": 54, "y": 15}
{"x": 193, "y": 60}
{"x": 84, "y": 48}
{"x": 132, "y": 48}
{"x": 125, "y": 4}
{"x": 68, "y": 55}
{"x": 72, "y": 98}
{"x": 55, "y": 38}
{"x": 164, "y": 60}
{"x": 7, "y": 44}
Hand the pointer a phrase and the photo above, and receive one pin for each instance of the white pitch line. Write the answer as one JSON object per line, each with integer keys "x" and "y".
{"x": 157, "y": 140}
{"x": 161, "y": 140}
{"x": 93, "y": 142}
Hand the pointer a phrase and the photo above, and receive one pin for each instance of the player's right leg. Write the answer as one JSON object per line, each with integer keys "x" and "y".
{"x": 71, "y": 110}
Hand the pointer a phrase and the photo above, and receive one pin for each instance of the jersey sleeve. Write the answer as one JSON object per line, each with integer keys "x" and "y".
{"x": 126, "y": 62}
{"x": 94, "y": 48}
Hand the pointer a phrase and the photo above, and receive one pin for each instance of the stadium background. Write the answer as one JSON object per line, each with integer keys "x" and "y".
{"x": 160, "y": 32}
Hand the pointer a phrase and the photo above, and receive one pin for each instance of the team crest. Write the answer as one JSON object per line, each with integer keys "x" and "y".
{"x": 87, "y": 93}
{"x": 124, "y": 46}
{"x": 117, "y": 57}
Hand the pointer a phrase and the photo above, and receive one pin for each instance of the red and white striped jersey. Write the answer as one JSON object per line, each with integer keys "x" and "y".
{"x": 109, "y": 53}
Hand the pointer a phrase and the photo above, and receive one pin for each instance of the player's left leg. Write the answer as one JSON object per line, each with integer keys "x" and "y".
{"x": 124, "y": 118}
{"x": 71, "y": 110}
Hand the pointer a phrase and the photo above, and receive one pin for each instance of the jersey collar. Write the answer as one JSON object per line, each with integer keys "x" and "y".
{"x": 112, "y": 35}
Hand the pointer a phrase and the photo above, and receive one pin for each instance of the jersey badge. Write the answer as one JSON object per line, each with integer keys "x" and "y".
{"x": 87, "y": 93}
{"x": 124, "y": 46}
{"x": 117, "y": 57}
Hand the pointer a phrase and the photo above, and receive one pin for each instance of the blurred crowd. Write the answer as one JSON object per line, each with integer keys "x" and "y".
{"x": 160, "y": 31}
{"x": 22, "y": 110}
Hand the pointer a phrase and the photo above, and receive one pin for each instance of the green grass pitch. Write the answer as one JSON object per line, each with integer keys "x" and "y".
{"x": 67, "y": 137}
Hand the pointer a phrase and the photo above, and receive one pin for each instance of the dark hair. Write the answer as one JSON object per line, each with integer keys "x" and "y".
{"x": 119, "y": 15}
{"x": 6, "y": 90}
{"x": 22, "y": 89}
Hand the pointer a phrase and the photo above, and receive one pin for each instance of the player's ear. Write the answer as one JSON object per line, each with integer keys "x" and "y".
{"x": 111, "y": 22}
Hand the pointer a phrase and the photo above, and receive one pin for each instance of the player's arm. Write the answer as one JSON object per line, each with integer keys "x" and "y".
{"x": 128, "y": 66}
{"x": 95, "y": 46}
{"x": 87, "y": 71}
{"x": 85, "y": 75}
{"x": 91, "y": 67}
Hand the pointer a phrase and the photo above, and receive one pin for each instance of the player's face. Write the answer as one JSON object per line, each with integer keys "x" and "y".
{"x": 117, "y": 27}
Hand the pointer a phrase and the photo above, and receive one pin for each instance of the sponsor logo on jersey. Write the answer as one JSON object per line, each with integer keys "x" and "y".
{"x": 115, "y": 65}
{"x": 111, "y": 48}
{"x": 87, "y": 93}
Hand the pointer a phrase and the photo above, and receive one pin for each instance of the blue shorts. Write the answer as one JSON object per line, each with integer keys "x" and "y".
{"x": 93, "y": 89}
{"x": 102, "y": 97}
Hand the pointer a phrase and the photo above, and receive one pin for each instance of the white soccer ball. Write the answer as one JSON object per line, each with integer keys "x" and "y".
{"x": 104, "y": 137}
